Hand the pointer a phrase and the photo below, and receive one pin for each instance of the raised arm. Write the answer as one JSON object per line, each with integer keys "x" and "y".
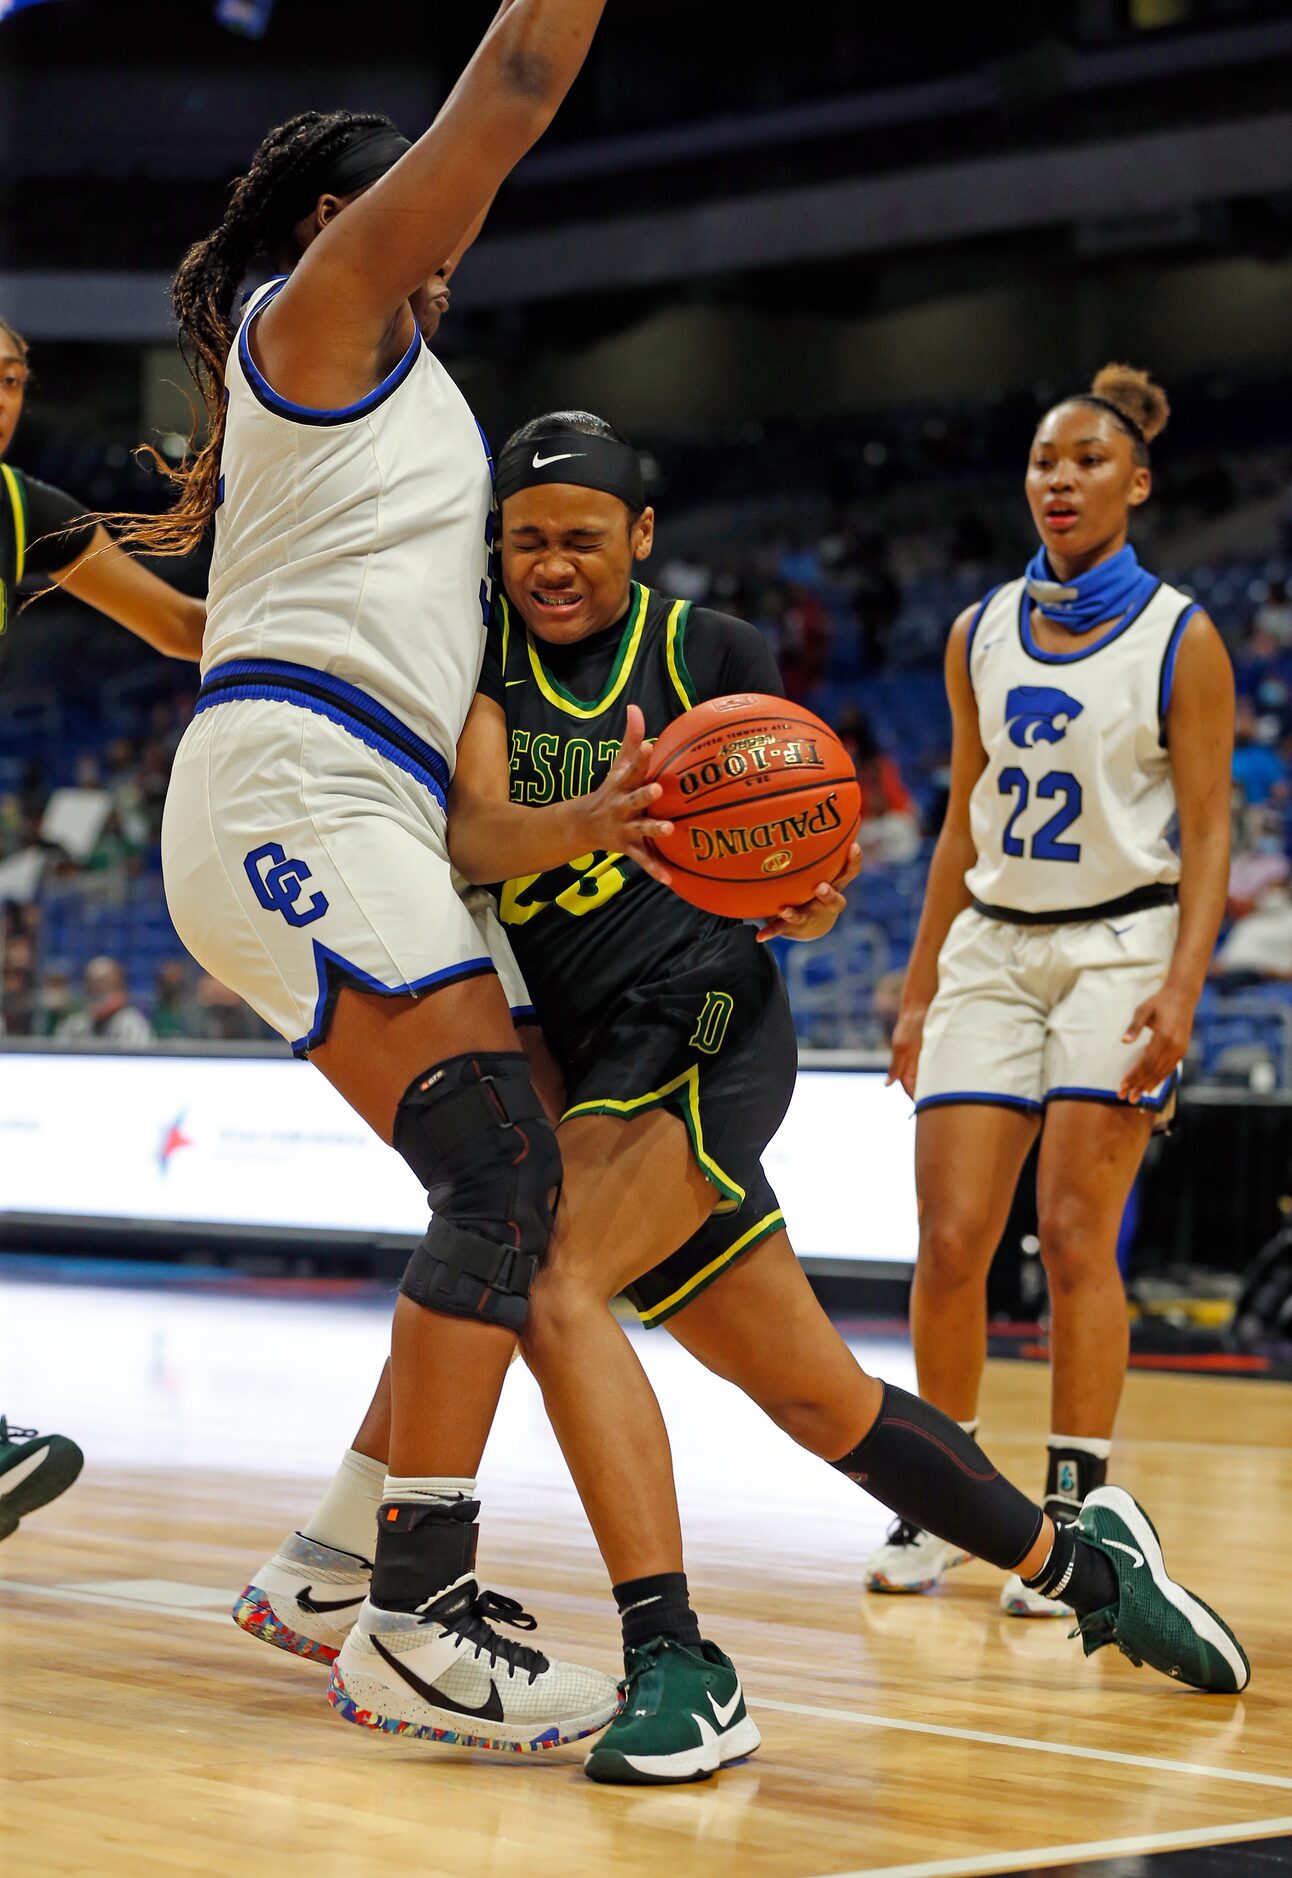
{"x": 353, "y": 282}
{"x": 492, "y": 838}
{"x": 945, "y": 894}
{"x": 107, "y": 578}
{"x": 1200, "y": 737}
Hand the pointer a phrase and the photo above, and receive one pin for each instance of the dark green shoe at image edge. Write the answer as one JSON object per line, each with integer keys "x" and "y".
{"x": 683, "y": 1717}
{"x": 34, "y": 1469}
{"x": 1155, "y": 1620}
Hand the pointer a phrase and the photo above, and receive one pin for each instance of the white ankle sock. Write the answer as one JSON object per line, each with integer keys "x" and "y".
{"x": 441, "y": 1487}
{"x": 346, "y": 1516}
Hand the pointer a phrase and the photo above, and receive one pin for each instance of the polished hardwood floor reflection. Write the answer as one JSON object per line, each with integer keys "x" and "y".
{"x": 911, "y": 1737}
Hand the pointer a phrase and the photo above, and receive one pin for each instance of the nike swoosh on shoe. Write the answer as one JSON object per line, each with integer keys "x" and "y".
{"x": 724, "y": 1710}
{"x": 308, "y": 1602}
{"x": 491, "y": 1709}
{"x": 1137, "y": 1555}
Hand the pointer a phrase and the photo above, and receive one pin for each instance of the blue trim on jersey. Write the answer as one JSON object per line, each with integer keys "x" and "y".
{"x": 344, "y": 704}
{"x": 1087, "y": 652}
{"x": 974, "y": 624}
{"x": 976, "y": 1095}
{"x": 305, "y": 413}
{"x": 523, "y": 1014}
{"x": 1154, "y": 1104}
{"x": 327, "y": 963}
{"x": 1167, "y": 678}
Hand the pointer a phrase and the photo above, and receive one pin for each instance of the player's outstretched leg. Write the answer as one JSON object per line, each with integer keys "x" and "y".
{"x": 34, "y": 1469}
{"x": 926, "y": 1469}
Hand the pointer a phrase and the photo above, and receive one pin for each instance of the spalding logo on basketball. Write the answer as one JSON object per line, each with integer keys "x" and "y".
{"x": 764, "y": 804}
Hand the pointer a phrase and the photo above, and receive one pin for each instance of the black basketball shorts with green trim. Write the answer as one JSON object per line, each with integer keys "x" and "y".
{"x": 713, "y": 1040}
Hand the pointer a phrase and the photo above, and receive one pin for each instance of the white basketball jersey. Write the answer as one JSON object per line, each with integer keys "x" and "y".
{"x": 353, "y": 541}
{"x": 1074, "y": 805}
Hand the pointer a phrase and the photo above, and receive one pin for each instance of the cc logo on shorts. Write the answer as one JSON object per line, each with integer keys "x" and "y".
{"x": 278, "y": 885}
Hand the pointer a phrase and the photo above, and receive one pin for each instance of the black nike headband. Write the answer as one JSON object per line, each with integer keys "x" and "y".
{"x": 571, "y": 456}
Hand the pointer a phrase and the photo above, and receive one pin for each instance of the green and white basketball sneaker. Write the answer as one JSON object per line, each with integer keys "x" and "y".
{"x": 683, "y": 1717}
{"x": 1155, "y": 1620}
{"x": 34, "y": 1469}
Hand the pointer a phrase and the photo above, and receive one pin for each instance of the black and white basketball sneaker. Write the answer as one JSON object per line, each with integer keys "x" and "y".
{"x": 34, "y": 1469}
{"x": 305, "y": 1598}
{"x": 443, "y": 1673}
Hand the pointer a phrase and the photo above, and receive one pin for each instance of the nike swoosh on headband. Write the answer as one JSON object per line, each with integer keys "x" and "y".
{"x": 562, "y": 456}
{"x": 490, "y": 1711}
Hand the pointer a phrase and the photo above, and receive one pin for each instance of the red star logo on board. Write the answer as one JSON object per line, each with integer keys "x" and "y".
{"x": 172, "y": 1141}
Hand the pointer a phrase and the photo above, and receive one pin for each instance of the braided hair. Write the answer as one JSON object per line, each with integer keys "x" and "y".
{"x": 257, "y": 222}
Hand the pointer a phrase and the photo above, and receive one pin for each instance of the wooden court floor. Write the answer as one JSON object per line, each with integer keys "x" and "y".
{"x": 912, "y": 1737}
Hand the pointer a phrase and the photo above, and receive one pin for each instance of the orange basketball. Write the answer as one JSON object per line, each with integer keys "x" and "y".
{"x": 764, "y": 804}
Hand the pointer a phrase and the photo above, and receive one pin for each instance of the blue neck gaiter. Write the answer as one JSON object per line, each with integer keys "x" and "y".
{"x": 1105, "y": 593}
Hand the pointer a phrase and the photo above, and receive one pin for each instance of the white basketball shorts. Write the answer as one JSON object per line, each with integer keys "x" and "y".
{"x": 1026, "y": 1015}
{"x": 300, "y": 858}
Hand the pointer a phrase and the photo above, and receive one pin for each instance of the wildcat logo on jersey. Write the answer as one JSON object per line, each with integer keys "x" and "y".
{"x": 278, "y": 886}
{"x": 1039, "y": 714}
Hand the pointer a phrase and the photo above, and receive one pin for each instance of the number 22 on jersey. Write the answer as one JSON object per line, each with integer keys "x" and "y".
{"x": 1045, "y": 844}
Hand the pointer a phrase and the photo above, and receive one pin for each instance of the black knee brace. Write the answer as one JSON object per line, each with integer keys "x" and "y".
{"x": 474, "y": 1132}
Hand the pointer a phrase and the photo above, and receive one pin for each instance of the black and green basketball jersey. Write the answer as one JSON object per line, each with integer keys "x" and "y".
{"x": 588, "y": 931}
{"x": 30, "y": 511}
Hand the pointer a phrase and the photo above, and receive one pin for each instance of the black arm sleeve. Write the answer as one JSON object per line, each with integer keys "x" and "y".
{"x": 726, "y": 655}
{"x": 56, "y": 534}
{"x": 490, "y": 680}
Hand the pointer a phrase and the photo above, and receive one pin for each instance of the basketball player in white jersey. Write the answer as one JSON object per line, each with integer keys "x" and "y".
{"x": 304, "y": 843}
{"x": 1064, "y": 939}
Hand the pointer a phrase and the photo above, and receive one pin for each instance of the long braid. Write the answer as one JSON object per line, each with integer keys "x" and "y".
{"x": 203, "y": 294}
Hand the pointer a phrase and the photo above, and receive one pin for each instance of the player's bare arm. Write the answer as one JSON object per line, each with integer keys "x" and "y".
{"x": 113, "y": 582}
{"x": 1200, "y": 737}
{"x": 356, "y": 279}
{"x": 492, "y": 838}
{"x": 946, "y": 895}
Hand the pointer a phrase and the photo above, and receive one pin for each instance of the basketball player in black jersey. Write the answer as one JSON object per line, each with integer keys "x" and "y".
{"x": 667, "y": 1049}
{"x": 44, "y": 534}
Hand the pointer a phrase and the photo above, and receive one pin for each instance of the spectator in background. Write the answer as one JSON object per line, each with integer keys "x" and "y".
{"x": 805, "y": 641}
{"x": 109, "y": 1016}
{"x": 890, "y": 826}
{"x": 54, "y": 1002}
{"x": 226, "y": 1018}
{"x": 876, "y": 599}
{"x": 1260, "y": 858}
{"x": 1272, "y": 620}
{"x": 1259, "y": 947}
{"x": 176, "y": 1012}
{"x": 1259, "y": 770}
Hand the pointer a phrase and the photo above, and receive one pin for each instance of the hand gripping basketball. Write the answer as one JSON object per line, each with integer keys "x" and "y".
{"x": 617, "y": 817}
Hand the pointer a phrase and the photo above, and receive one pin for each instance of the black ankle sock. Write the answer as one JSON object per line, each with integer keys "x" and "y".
{"x": 922, "y": 1465}
{"x": 657, "y": 1607}
{"x": 1071, "y": 1474}
{"x": 1077, "y": 1572}
{"x": 421, "y": 1548}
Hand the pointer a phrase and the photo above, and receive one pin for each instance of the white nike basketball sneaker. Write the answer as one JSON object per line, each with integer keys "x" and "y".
{"x": 444, "y": 1674}
{"x": 1018, "y": 1600}
{"x": 910, "y": 1559}
{"x": 305, "y": 1598}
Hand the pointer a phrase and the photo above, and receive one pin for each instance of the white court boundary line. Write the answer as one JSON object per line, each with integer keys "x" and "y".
{"x": 988, "y": 1864}
{"x": 1240, "y": 1775}
{"x": 119, "y": 1600}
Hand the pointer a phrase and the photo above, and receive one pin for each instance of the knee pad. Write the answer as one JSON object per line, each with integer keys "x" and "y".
{"x": 475, "y": 1133}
